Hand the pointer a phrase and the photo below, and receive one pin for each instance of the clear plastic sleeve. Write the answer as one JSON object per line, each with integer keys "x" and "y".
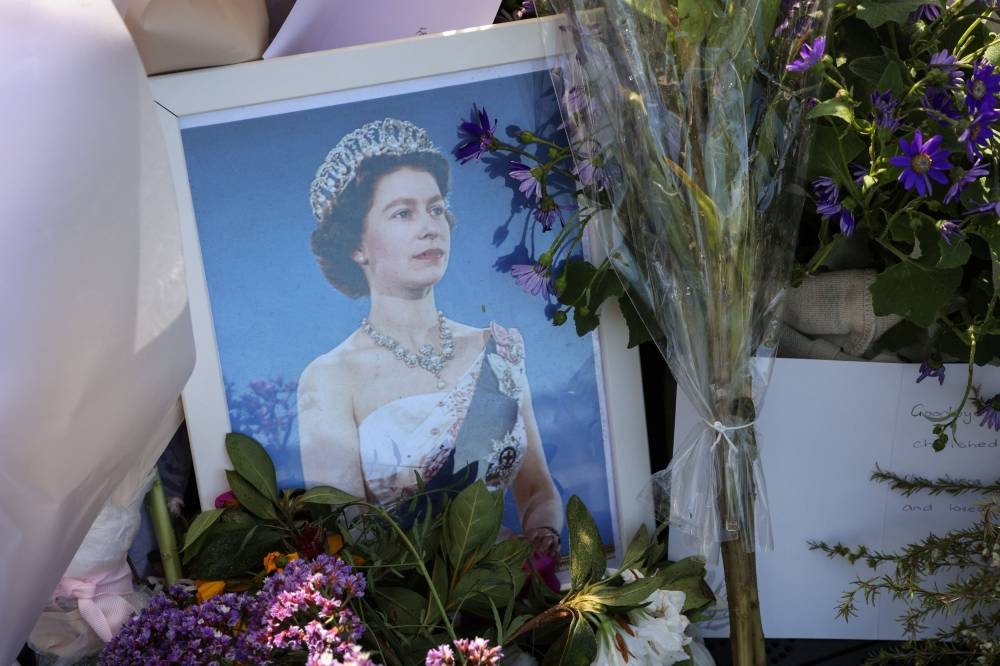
{"x": 700, "y": 126}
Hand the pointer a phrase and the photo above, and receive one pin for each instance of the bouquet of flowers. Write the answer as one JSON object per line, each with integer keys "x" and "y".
{"x": 283, "y": 579}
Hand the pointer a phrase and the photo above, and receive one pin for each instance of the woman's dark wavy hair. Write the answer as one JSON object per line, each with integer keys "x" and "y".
{"x": 338, "y": 234}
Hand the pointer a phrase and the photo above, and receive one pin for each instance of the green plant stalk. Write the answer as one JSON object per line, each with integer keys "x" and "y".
{"x": 164, "y": 530}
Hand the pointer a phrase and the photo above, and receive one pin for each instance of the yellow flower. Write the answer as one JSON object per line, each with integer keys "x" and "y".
{"x": 334, "y": 543}
{"x": 275, "y": 561}
{"x": 209, "y": 588}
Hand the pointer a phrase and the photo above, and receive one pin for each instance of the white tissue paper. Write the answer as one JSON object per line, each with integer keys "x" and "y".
{"x": 95, "y": 333}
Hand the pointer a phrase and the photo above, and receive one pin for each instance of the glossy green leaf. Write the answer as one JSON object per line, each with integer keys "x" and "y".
{"x": 914, "y": 292}
{"x": 638, "y": 331}
{"x": 473, "y": 521}
{"x": 328, "y": 495}
{"x": 837, "y": 107}
{"x": 869, "y": 68}
{"x": 200, "y": 525}
{"x": 635, "y": 553}
{"x": 251, "y": 461}
{"x": 878, "y": 12}
{"x": 252, "y": 500}
{"x": 628, "y": 595}
{"x": 587, "y": 561}
{"x": 578, "y": 647}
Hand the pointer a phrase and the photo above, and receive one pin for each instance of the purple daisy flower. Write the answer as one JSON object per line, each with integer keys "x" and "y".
{"x": 532, "y": 278}
{"x": 982, "y": 88}
{"x": 828, "y": 204}
{"x": 931, "y": 367}
{"x": 940, "y": 104}
{"x": 592, "y": 171}
{"x": 530, "y": 186}
{"x": 949, "y": 230}
{"x": 885, "y": 110}
{"x": 964, "y": 178}
{"x": 945, "y": 71}
{"x": 858, "y": 172}
{"x": 926, "y": 13}
{"x": 921, "y": 162}
{"x": 989, "y": 410}
{"x": 477, "y": 136}
{"x": 809, "y": 56}
{"x": 979, "y": 132}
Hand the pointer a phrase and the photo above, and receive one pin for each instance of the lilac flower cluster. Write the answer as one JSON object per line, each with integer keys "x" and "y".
{"x": 476, "y": 651}
{"x": 302, "y": 609}
{"x": 175, "y": 629}
{"x": 306, "y": 608}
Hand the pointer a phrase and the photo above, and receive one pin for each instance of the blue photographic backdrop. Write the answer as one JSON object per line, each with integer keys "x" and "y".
{"x": 274, "y": 312}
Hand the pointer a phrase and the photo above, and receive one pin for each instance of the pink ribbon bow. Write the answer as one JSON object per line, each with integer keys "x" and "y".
{"x": 99, "y": 599}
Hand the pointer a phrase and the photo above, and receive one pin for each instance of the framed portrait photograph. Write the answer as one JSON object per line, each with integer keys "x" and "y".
{"x": 352, "y": 292}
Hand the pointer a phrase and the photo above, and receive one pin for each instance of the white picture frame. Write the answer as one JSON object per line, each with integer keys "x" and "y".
{"x": 310, "y": 81}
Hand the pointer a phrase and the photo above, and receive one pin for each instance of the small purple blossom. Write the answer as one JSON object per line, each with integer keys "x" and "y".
{"x": 945, "y": 71}
{"x": 940, "y": 104}
{"x": 858, "y": 172}
{"x": 828, "y": 204}
{"x": 963, "y": 178}
{"x": 921, "y": 162}
{"x": 979, "y": 132}
{"x": 926, "y": 13}
{"x": 476, "y": 136}
{"x": 809, "y": 56}
{"x": 442, "y": 655}
{"x": 982, "y": 88}
{"x": 532, "y": 278}
{"x": 885, "y": 110}
{"x": 950, "y": 230}
{"x": 931, "y": 367}
{"x": 989, "y": 410}
{"x": 529, "y": 186}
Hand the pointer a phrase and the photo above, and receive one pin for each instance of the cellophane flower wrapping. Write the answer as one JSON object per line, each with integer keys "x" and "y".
{"x": 699, "y": 123}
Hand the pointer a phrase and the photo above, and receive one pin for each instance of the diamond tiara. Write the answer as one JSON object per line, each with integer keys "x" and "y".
{"x": 388, "y": 136}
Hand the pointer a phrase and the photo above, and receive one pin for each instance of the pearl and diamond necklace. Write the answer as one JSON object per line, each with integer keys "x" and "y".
{"x": 428, "y": 359}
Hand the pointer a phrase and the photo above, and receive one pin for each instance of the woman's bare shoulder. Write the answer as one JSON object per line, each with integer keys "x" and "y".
{"x": 341, "y": 364}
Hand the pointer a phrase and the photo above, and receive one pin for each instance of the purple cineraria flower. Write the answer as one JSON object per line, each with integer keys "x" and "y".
{"x": 532, "y": 278}
{"x": 989, "y": 410}
{"x": 809, "y": 56}
{"x": 982, "y": 88}
{"x": 885, "y": 110}
{"x": 530, "y": 186}
{"x": 944, "y": 71}
{"x": 858, "y": 172}
{"x": 949, "y": 230}
{"x": 828, "y": 204}
{"x": 477, "y": 136}
{"x": 921, "y": 162}
{"x": 926, "y": 13}
{"x": 963, "y": 178}
{"x": 592, "y": 170}
{"x": 986, "y": 207}
{"x": 979, "y": 132}
{"x": 940, "y": 103}
{"x": 931, "y": 367}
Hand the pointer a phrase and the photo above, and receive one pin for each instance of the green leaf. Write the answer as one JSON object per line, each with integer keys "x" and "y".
{"x": 439, "y": 578}
{"x": 954, "y": 255}
{"x": 877, "y": 12}
{"x": 234, "y": 552}
{"x": 512, "y": 552}
{"x": 629, "y": 595}
{"x": 837, "y": 107}
{"x": 328, "y": 495}
{"x": 574, "y": 280}
{"x": 577, "y": 647}
{"x": 637, "y": 330}
{"x": 870, "y": 68}
{"x": 404, "y": 607}
{"x": 250, "y": 498}
{"x": 892, "y": 79}
{"x": 636, "y": 551}
{"x": 482, "y": 585}
{"x": 916, "y": 293}
{"x": 587, "y": 561}
{"x": 200, "y": 525}
{"x": 830, "y": 151}
{"x": 252, "y": 463}
{"x": 584, "y": 320}
{"x": 992, "y": 53}
{"x": 473, "y": 521}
